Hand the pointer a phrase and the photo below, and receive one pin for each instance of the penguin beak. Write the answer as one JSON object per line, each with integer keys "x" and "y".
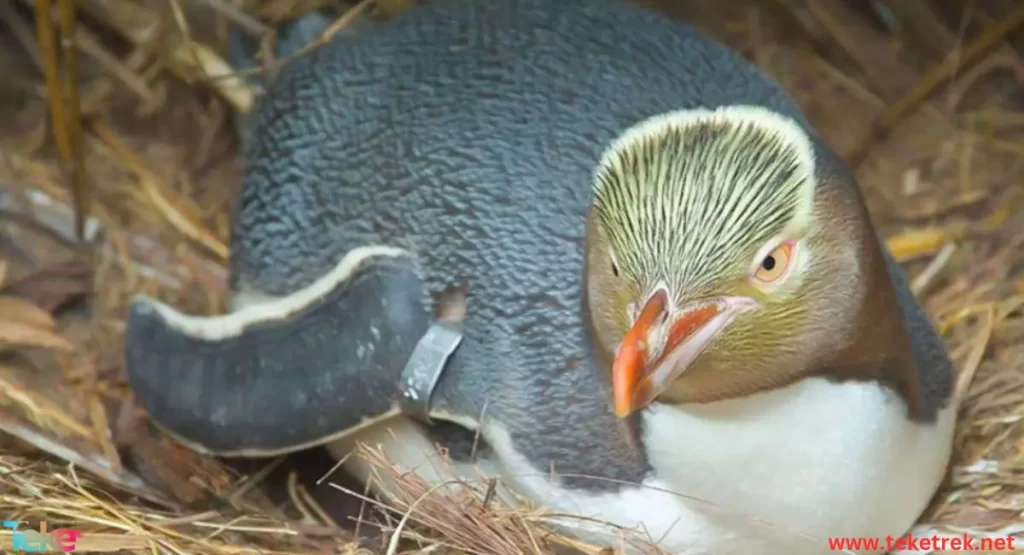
{"x": 662, "y": 343}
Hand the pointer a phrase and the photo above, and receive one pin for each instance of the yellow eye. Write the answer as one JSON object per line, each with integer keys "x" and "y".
{"x": 775, "y": 264}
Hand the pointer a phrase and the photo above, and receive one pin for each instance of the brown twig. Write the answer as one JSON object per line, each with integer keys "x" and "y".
{"x": 239, "y": 17}
{"x": 188, "y": 59}
{"x": 80, "y": 185}
{"x": 341, "y": 23}
{"x": 185, "y": 223}
{"x": 62, "y": 95}
{"x": 932, "y": 79}
{"x": 91, "y": 46}
{"x": 886, "y": 73}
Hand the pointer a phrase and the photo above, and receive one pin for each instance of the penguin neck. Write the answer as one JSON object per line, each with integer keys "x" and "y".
{"x": 882, "y": 349}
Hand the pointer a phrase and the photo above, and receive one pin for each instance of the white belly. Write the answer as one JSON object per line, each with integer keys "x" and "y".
{"x": 778, "y": 472}
{"x": 814, "y": 460}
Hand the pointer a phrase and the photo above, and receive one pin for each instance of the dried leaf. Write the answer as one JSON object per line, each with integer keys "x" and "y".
{"x": 22, "y": 335}
{"x": 160, "y": 463}
{"x": 38, "y": 409}
{"x": 13, "y": 309}
{"x": 54, "y": 286}
{"x": 101, "y": 427}
{"x": 200, "y": 60}
{"x": 3, "y": 272}
{"x": 79, "y": 454}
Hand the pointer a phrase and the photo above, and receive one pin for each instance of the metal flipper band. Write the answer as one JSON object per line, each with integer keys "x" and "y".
{"x": 423, "y": 371}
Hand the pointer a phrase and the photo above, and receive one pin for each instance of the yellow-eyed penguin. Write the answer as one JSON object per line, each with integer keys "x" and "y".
{"x": 671, "y": 311}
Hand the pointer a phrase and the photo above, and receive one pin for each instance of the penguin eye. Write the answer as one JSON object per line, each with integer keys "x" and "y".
{"x": 775, "y": 265}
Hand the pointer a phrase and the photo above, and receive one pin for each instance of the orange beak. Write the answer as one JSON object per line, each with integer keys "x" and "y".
{"x": 637, "y": 377}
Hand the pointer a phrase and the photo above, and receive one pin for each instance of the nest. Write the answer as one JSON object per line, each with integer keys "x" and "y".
{"x": 123, "y": 183}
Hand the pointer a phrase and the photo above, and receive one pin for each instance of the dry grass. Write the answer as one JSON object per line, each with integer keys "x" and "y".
{"x": 924, "y": 98}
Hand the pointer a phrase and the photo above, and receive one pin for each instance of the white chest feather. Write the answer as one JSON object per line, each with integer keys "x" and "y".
{"x": 814, "y": 459}
{"x": 778, "y": 472}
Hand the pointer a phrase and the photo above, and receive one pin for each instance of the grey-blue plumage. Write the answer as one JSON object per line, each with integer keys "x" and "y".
{"x": 468, "y": 132}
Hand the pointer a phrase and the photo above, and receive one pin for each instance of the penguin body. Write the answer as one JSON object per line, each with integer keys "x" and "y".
{"x": 467, "y": 133}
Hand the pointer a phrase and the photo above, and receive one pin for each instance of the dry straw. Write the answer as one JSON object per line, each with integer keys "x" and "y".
{"x": 121, "y": 181}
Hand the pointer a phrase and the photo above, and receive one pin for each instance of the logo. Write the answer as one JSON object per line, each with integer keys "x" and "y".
{"x": 61, "y": 539}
